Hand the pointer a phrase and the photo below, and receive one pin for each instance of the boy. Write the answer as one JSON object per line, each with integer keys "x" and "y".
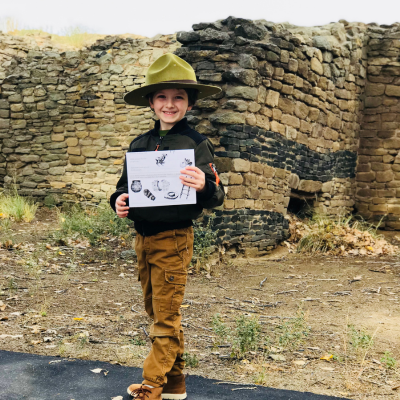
{"x": 164, "y": 240}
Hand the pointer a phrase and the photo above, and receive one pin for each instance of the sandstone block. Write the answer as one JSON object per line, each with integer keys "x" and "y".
{"x": 235, "y": 179}
{"x": 72, "y": 141}
{"x": 294, "y": 181}
{"x": 384, "y": 176}
{"x": 257, "y": 168}
{"x": 89, "y": 151}
{"x": 243, "y": 92}
{"x": 272, "y": 98}
{"x": 77, "y": 160}
{"x": 392, "y": 90}
{"x": 316, "y": 66}
{"x": 223, "y": 164}
{"x": 229, "y": 204}
{"x": 392, "y": 143}
{"x": 236, "y": 192}
{"x": 29, "y": 158}
{"x": 230, "y": 118}
{"x": 239, "y": 165}
{"x": 76, "y": 151}
{"x": 310, "y": 186}
{"x": 56, "y": 171}
{"x": 290, "y": 120}
{"x": 269, "y": 172}
{"x": 377, "y": 208}
{"x": 326, "y": 187}
{"x": 57, "y": 137}
{"x": 4, "y": 123}
{"x": 374, "y": 89}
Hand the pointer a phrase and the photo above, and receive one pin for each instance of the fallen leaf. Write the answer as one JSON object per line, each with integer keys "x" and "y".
{"x": 327, "y": 357}
{"x": 5, "y": 318}
{"x": 48, "y": 247}
{"x": 35, "y": 342}
{"x": 2, "y": 306}
{"x": 299, "y": 362}
{"x": 328, "y": 368}
{"x": 277, "y": 357}
{"x": 117, "y": 398}
{"x": 78, "y": 319}
{"x": 185, "y": 305}
{"x": 97, "y": 370}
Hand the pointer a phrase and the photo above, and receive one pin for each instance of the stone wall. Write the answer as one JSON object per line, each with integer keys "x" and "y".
{"x": 287, "y": 125}
{"x": 287, "y": 122}
{"x": 378, "y": 171}
{"x": 64, "y": 126}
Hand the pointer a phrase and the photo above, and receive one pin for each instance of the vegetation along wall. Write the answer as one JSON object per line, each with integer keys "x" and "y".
{"x": 305, "y": 115}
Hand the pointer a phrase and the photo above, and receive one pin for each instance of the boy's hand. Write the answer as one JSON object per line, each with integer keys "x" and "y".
{"x": 120, "y": 205}
{"x": 195, "y": 178}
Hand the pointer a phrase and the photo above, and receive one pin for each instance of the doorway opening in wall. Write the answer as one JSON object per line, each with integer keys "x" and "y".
{"x": 300, "y": 204}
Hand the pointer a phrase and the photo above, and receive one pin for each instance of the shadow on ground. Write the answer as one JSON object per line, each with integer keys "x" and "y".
{"x": 34, "y": 377}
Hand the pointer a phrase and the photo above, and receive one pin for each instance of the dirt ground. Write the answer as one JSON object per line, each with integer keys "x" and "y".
{"x": 86, "y": 303}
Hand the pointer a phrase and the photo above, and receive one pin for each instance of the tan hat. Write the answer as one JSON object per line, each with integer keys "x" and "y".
{"x": 169, "y": 72}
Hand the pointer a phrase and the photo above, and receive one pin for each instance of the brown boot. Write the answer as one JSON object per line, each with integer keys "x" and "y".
{"x": 141, "y": 392}
{"x": 175, "y": 388}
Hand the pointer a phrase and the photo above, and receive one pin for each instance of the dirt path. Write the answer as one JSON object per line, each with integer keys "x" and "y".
{"x": 86, "y": 303}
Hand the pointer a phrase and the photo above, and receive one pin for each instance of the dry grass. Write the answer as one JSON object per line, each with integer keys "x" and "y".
{"x": 17, "y": 208}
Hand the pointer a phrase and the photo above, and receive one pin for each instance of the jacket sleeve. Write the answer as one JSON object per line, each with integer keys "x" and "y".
{"x": 213, "y": 195}
{"x": 122, "y": 187}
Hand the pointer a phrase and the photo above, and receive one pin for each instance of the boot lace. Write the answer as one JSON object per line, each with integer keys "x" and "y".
{"x": 140, "y": 393}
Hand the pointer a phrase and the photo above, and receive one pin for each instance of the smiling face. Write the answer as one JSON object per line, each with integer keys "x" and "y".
{"x": 170, "y": 106}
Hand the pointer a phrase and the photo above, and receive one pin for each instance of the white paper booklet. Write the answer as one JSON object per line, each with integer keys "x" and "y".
{"x": 153, "y": 178}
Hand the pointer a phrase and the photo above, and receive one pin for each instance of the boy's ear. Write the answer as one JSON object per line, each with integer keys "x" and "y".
{"x": 189, "y": 108}
{"x": 151, "y": 103}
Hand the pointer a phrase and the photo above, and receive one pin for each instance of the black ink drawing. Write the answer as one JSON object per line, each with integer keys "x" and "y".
{"x": 171, "y": 196}
{"x": 165, "y": 185}
{"x": 186, "y": 163}
{"x": 136, "y": 186}
{"x": 185, "y": 191}
{"x": 161, "y": 160}
{"x": 148, "y": 194}
{"x": 156, "y": 186}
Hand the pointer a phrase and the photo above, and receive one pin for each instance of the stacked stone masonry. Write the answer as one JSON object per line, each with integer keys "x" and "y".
{"x": 307, "y": 113}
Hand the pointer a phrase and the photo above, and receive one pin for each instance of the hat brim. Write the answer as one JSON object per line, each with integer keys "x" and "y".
{"x": 137, "y": 97}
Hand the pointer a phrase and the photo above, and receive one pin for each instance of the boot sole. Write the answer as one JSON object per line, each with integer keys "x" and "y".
{"x": 171, "y": 396}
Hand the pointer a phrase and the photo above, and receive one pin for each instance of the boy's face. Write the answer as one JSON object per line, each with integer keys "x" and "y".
{"x": 170, "y": 106}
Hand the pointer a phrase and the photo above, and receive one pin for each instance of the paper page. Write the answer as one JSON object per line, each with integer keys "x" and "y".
{"x": 153, "y": 178}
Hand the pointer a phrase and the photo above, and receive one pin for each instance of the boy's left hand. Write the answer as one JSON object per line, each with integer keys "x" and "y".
{"x": 195, "y": 178}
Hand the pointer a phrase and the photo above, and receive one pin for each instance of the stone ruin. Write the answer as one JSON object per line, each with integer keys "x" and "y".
{"x": 306, "y": 116}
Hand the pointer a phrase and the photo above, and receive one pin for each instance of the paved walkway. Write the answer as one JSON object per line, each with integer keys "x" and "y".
{"x": 33, "y": 377}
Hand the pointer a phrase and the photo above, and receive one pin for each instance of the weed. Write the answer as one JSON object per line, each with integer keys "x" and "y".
{"x": 388, "y": 360}
{"x": 204, "y": 239}
{"x": 92, "y": 223}
{"x": 137, "y": 342}
{"x": 359, "y": 339}
{"x": 16, "y": 207}
{"x": 191, "y": 360}
{"x": 327, "y": 234}
{"x": 247, "y": 335}
{"x": 260, "y": 378}
{"x": 220, "y": 329}
{"x": 62, "y": 349}
{"x": 12, "y": 285}
{"x": 294, "y": 331}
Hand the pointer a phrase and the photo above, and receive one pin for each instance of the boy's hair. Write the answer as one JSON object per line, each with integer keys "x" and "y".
{"x": 192, "y": 96}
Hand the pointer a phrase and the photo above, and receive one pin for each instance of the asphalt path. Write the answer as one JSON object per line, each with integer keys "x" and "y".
{"x": 34, "y": 377}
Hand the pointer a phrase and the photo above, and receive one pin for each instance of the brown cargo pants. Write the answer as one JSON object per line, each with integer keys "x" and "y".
{"x": 163, "y": 260}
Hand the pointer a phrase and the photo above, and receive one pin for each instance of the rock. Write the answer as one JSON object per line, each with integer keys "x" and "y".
{"x": 310, "y": 186}
{"x": 239, "y": 165}
{"x": 244, "y": 92}
{"x": 293, "y": 181}
{"x": 230, "y": 118}
{"x": 272, "y": 98}
{"x": 211, "y": 35}
{"x": 187, "y": 37}
{"x": 128, "y": 254}
{"x": 247, "y": 76}
{"x": 392, "y": 90}
{"x": 316, "y": 66}
{"x": 76, "y": 160}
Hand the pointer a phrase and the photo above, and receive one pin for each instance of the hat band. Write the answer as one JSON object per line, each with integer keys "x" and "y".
{"x": 180, "y": 81}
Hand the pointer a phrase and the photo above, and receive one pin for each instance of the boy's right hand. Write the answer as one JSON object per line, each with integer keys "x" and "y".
{"x": 120, "y": 205}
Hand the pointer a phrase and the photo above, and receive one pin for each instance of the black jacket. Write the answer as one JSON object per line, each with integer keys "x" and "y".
{"x": 152, "y": 220}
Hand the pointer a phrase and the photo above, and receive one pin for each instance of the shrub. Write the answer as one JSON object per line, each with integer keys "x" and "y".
{"x": 294, "y": 331}
{"x": 191, "y": 360}
{"x": 204, "y": 239}
{"x": 359, "y": 338}
{"x": 388, "y": 360}
{"x": 247, "y": 335}
{"x": 220, "y": 329}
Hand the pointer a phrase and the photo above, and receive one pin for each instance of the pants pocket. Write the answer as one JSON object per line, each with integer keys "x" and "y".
{"x": 173, "y": 291}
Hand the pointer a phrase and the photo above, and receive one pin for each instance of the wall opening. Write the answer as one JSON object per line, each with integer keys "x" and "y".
{"x": 300, "y": 204}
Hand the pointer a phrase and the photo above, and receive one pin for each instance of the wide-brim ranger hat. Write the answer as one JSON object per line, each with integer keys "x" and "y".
{"x": 169, "y": 72}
